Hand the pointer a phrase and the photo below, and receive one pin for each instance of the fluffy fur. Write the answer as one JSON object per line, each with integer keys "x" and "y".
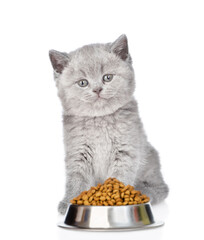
{"x": 103, "y": 133}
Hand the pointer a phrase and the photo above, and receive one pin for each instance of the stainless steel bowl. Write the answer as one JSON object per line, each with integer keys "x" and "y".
{"x": 103, "y": 218}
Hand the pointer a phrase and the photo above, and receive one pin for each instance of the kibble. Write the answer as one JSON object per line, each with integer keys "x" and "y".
{"x": 112, "y": 192}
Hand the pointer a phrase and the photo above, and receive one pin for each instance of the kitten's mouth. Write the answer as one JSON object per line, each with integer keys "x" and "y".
{"x": 99, "y": 97}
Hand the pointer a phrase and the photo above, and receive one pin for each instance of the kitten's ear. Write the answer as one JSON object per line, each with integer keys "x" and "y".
{"x": 59, "y": 60}
{"x": 120, "y": 47}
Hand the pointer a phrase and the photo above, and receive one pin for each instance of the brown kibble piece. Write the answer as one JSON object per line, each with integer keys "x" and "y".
{"x": 109, "y": 185}
{"x": 102, "y": 198}
{"x": 108, "y": 198}
{"x": 86, "y": 202}
{"x": 110, "y": 203}
{"x": 118, "y": 200}
{"x": 91, "y": 198}
{"x": 89, "y": 193}
{"x": 116, "y": 186}
{"x": 93, "y": 191}
{"x": 121, "y": 185}
{"x": 137, "y": 199}
{"x": 116, "y": 196}
{"x": 98, "y": 194}
{"x": 85, "y": 197}
{"x": 112, "y": 196}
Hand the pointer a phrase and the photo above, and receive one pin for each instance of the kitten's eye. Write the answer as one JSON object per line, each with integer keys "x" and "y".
{"x": 83, "y": 83}
{"x": 107, "y": 77}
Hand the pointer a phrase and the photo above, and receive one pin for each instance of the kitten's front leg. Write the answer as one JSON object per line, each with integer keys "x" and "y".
{"x": 123, "y": 168}
{"x": 75, "y": 184}
{"x": 150, "y": 180}
{"x": 78, "y": 178}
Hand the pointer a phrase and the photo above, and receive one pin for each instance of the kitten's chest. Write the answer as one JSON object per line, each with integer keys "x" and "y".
{"x": 102, "y": 138}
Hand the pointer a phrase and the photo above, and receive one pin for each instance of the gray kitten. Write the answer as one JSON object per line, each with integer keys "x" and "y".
{"x": 103, "y": 133}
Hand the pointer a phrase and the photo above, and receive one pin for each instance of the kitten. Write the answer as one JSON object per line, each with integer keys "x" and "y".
{"x": 103, "y": 133}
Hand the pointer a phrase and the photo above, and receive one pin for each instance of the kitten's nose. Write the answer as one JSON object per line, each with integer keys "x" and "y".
{"x": 98, "y": 90}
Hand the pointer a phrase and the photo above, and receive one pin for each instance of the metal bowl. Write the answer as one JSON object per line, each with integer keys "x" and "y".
{"x": 112, "y": 218}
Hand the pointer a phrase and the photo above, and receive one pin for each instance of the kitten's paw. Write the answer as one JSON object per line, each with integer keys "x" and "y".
{"x": 62, "y": 207}
{"x": 158, "y": 194}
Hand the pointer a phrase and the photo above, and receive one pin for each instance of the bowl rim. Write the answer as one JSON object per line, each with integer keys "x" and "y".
{"x": 147, "y": 203}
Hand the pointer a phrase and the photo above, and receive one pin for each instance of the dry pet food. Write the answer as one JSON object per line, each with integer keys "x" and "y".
{"x": 112, "y": 192}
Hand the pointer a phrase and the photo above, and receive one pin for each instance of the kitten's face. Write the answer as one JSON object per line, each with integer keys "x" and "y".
{"x": 94, "y": 80}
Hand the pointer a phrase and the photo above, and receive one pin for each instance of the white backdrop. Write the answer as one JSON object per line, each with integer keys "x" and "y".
{"x": 166, "y": 43}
